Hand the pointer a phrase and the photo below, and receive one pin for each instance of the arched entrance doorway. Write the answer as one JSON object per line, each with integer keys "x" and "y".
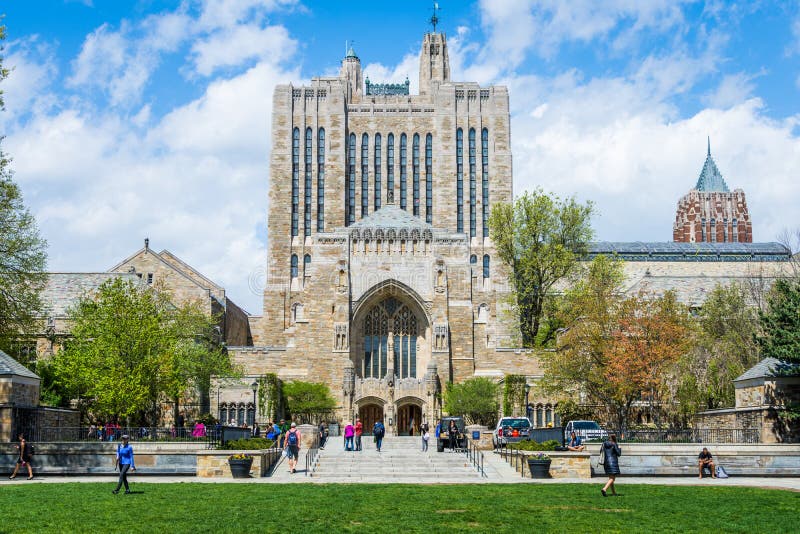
{"x": 409, "y": 417}
{"x": 369, "y": 413}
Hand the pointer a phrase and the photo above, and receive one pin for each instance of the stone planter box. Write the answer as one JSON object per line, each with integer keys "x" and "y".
{"x": 215, "y": 464}
{"x": 562, "y": 464}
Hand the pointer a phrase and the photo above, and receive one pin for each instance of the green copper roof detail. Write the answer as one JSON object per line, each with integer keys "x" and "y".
{"x": 710, "y": 178}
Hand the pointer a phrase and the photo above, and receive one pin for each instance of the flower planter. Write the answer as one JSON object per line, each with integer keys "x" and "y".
{"x": 240, "y": 468}
{"x": 539, "y": 468}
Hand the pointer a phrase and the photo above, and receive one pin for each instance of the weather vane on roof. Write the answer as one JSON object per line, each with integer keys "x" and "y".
{"x": 434, "y": 20}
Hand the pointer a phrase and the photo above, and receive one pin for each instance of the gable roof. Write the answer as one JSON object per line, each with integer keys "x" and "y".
{"x": 770, "y": 367}
{"x": 10, "y": 366}
{"x": 391, "y": 216}
{"x": 62, "y": 290}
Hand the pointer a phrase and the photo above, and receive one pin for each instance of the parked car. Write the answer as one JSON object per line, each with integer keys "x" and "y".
{"x": 587, "y": 430}
{"x": 511, "y": 430}
{"x": 444, "y": 436}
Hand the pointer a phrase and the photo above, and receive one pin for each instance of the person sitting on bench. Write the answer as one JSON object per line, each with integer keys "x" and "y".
{"x": 574, "y": 443}
{"x": 705, "y": 460}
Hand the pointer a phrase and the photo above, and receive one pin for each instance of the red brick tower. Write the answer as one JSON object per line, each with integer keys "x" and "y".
{"x": 711, "y": 213}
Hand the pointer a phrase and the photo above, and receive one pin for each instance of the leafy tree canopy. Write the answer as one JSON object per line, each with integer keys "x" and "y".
{"x": 475, "y": 398}
{"x": 780, "y": 322}
{"x": 308, "y": 401}
{"x": 541, "y": 238}
{"x": 131, "y": 348}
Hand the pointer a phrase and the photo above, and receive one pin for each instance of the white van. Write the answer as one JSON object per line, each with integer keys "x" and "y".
{"x": 586, "y": 430}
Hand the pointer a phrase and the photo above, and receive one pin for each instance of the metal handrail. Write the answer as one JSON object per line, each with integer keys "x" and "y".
{"x": 475, "y": 457}
{"x": 312, "y": 456}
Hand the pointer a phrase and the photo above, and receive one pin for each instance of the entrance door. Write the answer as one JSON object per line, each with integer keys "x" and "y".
{"x": 409, "y": 417}
{"x": 368, "y": 415}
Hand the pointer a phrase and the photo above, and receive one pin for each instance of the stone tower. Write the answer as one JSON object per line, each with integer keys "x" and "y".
{"x": 382, "y": 280}
{"x": 711, "y": 213}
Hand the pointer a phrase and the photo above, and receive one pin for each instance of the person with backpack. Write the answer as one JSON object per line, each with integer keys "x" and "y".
{"x": 24, "y": 453}
{"x": 378, "y": 431}
{"x": 124, "y": 461}
{"x": 293, "y": 446}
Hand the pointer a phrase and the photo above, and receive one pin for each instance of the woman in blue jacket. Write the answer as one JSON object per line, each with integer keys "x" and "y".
{"x": 125, "y": 462}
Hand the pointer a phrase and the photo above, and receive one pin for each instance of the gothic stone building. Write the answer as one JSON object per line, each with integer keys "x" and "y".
{"x": 711, "y": 213}
{"x": 382, "y": 281}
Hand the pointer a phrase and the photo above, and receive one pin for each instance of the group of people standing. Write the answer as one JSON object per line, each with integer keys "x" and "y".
{"x": 353, "y": 433}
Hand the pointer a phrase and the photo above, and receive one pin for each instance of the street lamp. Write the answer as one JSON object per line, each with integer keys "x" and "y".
{"x": 527, "y": 406}
{"x": 254, "y": 387}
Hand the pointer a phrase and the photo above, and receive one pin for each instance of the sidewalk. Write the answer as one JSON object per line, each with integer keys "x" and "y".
{"x": 756, "y": 482}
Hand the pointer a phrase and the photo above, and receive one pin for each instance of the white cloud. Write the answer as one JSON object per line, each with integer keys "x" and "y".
{"x": 234, "y": 46}
{"x": 32, "y": 69}
{"x": 732, "y": 90}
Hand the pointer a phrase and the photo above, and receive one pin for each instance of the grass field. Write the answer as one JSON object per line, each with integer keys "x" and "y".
{"x": 575, "y": 508}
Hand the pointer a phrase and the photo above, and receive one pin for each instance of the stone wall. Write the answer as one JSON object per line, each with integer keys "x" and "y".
{"x": 563, "y": 464}
{"x": 97, "y": 458}
{"x": 214, "y": 464}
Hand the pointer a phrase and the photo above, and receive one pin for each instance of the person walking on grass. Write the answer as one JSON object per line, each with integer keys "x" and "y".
{"x": 124, "y": 461}
{"x": 23, "y": 458}
{"x": 293, "y": 446}
{"x": 610, "y": 453}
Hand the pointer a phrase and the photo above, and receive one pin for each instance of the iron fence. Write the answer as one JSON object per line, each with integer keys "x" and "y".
{"x": 44, "y": 434}
{"x": 689, "y": 435}
{"x": 312, "y": 456}
{"x": 475, "y": 456}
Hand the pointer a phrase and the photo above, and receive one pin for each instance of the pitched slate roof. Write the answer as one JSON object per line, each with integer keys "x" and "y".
{"x": 391, "y": 216}
{"x": 710, "y": 178}
{"x": 672, "y": 251}
{"x": 64, "y": 289}
{"x": 10, "y": 366}
{"x": 769, "y": 367}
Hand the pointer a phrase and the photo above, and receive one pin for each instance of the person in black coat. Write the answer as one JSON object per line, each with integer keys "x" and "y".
{"x": 611, "y": 453}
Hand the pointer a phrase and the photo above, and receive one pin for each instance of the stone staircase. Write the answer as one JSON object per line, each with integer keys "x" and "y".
{"x": 400, "y": 460}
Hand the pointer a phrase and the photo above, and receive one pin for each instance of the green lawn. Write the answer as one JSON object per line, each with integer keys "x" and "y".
{"x": 579, "y": 508}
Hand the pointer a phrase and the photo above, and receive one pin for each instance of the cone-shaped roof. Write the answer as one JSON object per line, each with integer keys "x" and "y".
{"x": 710, "y": 178}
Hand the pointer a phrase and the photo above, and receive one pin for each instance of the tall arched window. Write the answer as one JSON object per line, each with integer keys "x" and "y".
{"x": 390, "y": 168}
{"x": 429, "y": 179}
{"x": 485, "y": 266}
{"x": 364, "y": 175}
{"x": 485, "y": 180}
{"x": 223, "y": 413}
{"x": 240, "y": 419}
{"x": 377, "y": 166}
{"x": 307, "y": 184}
{"x": 415, "y": 168}
{"x": 472, "y": 185}
{"x": 403, "y": 170}
{"x": 294, "y": 266}
{"x": 350, "y": 190}
{"x": 306, "y": 264}
{"x": 295, "y": 181}
{"x": 473, "y": 259}
{"x": 460, "y": 180}
{"x": 251, "y": 414}
{"x": 391, "y": 319}
{"x": 321, "y": 180}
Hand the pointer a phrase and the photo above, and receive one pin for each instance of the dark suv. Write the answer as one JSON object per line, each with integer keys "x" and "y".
{"x": 444, "y": 436}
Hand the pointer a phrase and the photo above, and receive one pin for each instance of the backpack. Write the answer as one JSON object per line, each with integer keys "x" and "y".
{"x": 721, "y": 473}
{"x": 378, "y": 430}
{"x": 291, "y": 438}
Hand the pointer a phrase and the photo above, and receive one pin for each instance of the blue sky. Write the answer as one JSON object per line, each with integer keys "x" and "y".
{"x": 146, "y": 118}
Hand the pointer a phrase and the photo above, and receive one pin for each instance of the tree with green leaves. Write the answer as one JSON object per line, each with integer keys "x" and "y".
{"x": 617, "y": 350}
{"x": 727, "y": 327}
{"x": 23, "y": 252}
{"x": 307, "y": 402}
{"x": 780, "y": 322}
{"x": 475, "y": 398}
{"x": 541, "y": 238}
{"x": 131, "y": 348}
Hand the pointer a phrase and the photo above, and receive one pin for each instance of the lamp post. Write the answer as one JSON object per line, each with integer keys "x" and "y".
{"x": 254, "y": 387}
{"x": 527, "y": 406}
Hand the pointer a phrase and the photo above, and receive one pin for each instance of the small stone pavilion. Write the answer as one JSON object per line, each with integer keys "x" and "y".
{"x": 19, "y": 389}
{"x": 762, "y": 392}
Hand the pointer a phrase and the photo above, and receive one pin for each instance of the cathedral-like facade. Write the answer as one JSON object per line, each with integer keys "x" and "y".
{"x": 382, "y": 280}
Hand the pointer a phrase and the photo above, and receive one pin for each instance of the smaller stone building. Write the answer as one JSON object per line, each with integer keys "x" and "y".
{"x": 712, "y": 213}
{"x": 762, "y": 392}
{"x": 19, "y": 388}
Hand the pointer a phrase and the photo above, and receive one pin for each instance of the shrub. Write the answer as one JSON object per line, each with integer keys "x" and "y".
{"x": 549, "y": 445}
{"x": 475, "y": 398}
{"x": 248, "y": 444}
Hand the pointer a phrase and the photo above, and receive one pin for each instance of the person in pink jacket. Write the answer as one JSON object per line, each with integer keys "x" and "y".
{"x": 349, "y": 432}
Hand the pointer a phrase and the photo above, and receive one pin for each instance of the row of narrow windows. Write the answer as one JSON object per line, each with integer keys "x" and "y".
{"x": 308, "y": 179}
{"x": 295, "y": 264}
{"x": 360, "y": 163}
{"x": 734, "y": 235}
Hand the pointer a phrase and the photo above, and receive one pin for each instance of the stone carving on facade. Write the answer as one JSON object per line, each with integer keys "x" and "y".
{"x": 341, "y": 276}
{"x": 441, "y": 337}
{"x": 341, "y": 337}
